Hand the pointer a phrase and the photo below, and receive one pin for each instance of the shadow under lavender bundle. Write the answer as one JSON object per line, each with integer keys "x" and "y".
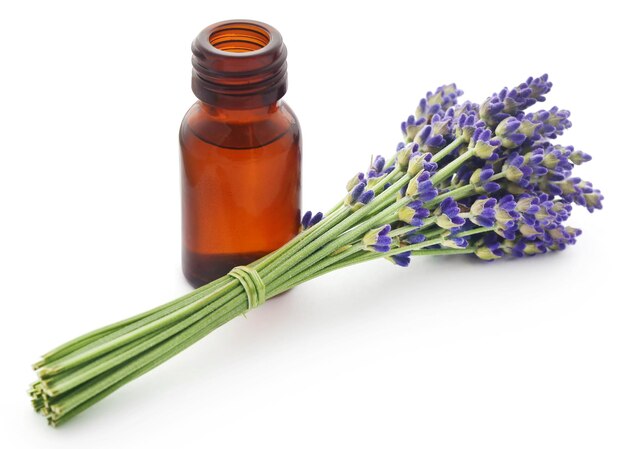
{"x": 484, "y": 179}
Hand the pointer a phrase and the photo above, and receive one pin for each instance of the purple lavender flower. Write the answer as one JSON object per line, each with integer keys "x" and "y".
{"x": 481, "y": 180}
{"x": 510, "y": 103}
{"x": 421, "y": 161}
{"x": 489, "y": 187}
{"x": 538, "y": 86}
{"x": 403, "y": 156}
{"x": 308, "y": 219}
{"x": 515, "y": 248}
{"x": 429, "y": 141}
{"x": 466, "y": 108}
{"x": 489, "y": 248}
{"x": 356, "y": 179}
{"x": 454, "y": 243}
{"x": 582, "y": 193}
{"x": 359, "y": 195}
{"x": 377, "y": 167}
{"x": 413, "y": 238}
{"x": 482, "y": 175}
{"x": 378, "y": 239}
{"x": 532, "y": 248}
{"x": 551, "y": 123}
{"x": 483, "y": 145}
{"x": 467, "y": 124}
{"x": 420, "y": 187}
{"x": 448, "y": 214}
{"x": 508, "y": 132}
{"x": 531, "y": 130}
{"x": 545, "y": 215}
{"x": 365, "y": 197}
{"x": 443, "y": 98}
{"x": 527, "y": 205}
{"x": 516, "y": 171}
{"x": 514, "y": 153}
{"x": 557, "y": 158}
{"x": 402, "y": 259}
{"x": 411, "y": 127}
{"x": 578, "y": 157}
{"x": 483, "y": 212}
{"x": 442, "y": 124}
{"x": 506, "y": 217}
{"x": 534, "y": 160}
{"x": 413, "y": 213}
{"x": 562, "y": 209}
{"x": 355, "y": 193}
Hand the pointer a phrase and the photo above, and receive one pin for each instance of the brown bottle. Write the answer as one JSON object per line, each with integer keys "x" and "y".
{"x": 240, "y": 151}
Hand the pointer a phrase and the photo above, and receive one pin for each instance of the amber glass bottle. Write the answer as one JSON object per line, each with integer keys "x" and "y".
{"x": 240, "y": 151}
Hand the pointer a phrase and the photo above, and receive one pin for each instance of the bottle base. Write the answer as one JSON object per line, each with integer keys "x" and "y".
{"x": 200, "y": 269}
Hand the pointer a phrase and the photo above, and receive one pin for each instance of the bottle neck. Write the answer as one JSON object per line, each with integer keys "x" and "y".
{"x": 239, "y": 65}
{"x": 250, "y": 114}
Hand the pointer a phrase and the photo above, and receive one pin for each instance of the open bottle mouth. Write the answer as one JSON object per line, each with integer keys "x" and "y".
{"x": 239, "y": 37}
{"x": 239, "y": 64}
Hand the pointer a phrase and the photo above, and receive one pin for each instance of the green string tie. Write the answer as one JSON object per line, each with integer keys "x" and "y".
{"x": 252, "y": 284}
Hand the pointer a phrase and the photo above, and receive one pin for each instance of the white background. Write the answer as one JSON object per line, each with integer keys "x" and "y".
{"x": 449, "y": 353}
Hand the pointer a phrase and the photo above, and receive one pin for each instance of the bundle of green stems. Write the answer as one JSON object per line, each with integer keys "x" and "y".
{"x": 81, "y": 372}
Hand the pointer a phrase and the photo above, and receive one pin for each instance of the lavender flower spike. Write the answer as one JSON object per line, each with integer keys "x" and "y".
{"x": 482, "y": 143}
{"x": 483, "y": 212}
{"x": 420, "y": 187}
{"x": 378, "y": 239}
{"x": 448, "y": 214}
{"x": 413, "y": 213}
{"x": 507, "y": 133}
{"x": 402, "y": 259}
{"x": 443, "y": 98}
{"x": 308, "y": 219}
{"x": 509, "y": 103}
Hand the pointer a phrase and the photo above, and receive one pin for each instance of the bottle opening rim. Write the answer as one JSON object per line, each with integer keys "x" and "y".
{"x": 239, "y": 37}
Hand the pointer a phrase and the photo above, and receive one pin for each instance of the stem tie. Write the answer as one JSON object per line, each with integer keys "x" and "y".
{"x": 252, "y": 284}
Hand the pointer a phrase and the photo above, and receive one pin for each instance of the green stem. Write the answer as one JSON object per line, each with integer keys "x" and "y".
{"x": 73, "y": 360}
{"x": 303, "y": 238}
{"x": 378, "y": 185}
{"x": 448, "y": 149}
{"x": 298, "y": 265}
{"x": 474, "y": 232}
{"x": 450, "y": 169}
{"x": 457, "y": 194}
{"x": 312, "y": 274}
{"x": 148, "y": 359}
{"x": 347, "y": 223}
{"x": 108, "y": 332}
{"x": 66, "y": 381}
{"x": 408, "y": 229}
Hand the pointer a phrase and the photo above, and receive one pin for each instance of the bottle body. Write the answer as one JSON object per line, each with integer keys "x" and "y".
{"x": 240, "y": 173}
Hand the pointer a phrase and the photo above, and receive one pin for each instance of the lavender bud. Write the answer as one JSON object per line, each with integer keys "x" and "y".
{"x": 578, "y": 157}
{"x": 402, "y": 259}
{"x": 378, "y": 239}
{"x": 356, "y": 179}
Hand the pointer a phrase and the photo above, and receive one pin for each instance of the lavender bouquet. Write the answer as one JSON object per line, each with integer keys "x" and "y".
{"x": 483, "y": 179}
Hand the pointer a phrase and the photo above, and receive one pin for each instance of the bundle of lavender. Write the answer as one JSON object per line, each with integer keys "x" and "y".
{"x": 483, "y": 179}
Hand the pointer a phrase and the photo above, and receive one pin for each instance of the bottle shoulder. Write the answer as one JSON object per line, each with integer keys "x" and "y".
{"x": 240, "y": 129}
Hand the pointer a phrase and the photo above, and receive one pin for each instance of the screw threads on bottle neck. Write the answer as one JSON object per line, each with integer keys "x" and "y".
{"x": 239, "y": 64}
